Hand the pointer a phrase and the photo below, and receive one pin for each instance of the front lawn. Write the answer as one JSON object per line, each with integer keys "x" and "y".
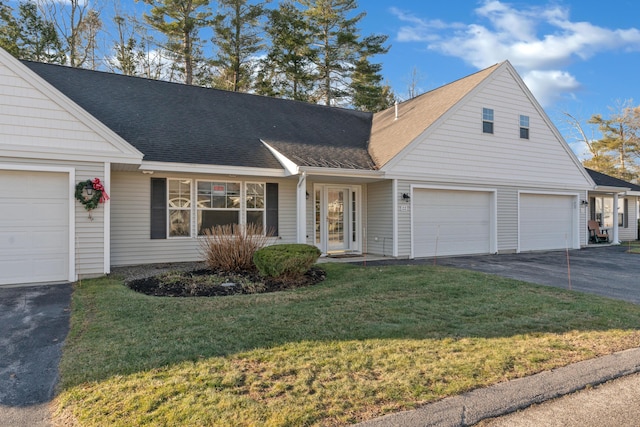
{"x": 367, "y": 341}
{"x": 633, "y": 247}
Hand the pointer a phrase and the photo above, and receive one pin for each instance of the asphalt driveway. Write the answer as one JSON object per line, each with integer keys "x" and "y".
{"x": 34, "y": 322}
{"x": 607, "y": 271}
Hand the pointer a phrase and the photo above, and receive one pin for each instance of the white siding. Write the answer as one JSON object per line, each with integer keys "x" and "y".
{"x": 30, "y": 120}
{"x": 130, "y": 220}
{"x": 379, "y": 227}
{"x": 404, "y": 221}
{"x": 631, "y": 232}
{"x": 457, "y": 151}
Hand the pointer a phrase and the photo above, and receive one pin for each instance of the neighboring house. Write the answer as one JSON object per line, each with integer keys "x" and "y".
{"x": 615, "y": 204}
{"x": 473, "y": 167}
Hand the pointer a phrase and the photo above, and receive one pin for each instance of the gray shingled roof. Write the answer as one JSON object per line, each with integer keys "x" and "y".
{"x": 170, "y": 122}
{"x": 608, "y": 181}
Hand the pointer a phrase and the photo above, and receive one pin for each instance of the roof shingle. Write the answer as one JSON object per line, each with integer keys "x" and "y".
{"x": 170, "y": 122}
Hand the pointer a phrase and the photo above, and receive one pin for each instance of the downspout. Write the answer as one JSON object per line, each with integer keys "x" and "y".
{"x": 301, "y": 205}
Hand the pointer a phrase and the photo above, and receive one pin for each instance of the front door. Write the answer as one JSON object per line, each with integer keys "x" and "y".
{"x": 337, "y": 218}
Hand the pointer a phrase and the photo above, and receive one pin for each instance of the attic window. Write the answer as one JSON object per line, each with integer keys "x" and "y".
{"x": 487, "y": 120}
{"x": 524, "y": 127}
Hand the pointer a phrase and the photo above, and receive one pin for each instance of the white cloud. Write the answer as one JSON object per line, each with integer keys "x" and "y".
{"x": 538, "y": 41}
{"x": 550, "y": 86}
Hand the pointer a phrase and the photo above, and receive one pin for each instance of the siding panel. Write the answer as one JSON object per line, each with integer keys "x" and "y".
{"x": 458, "y": 151}
{"x": 130, "y": 221}
{"x": 379, "y": 228}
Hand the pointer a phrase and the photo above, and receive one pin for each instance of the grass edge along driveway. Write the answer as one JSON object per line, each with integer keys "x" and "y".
{"x": 367, "y": 341}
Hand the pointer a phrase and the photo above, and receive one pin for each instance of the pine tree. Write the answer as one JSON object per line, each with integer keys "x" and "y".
{"x": 368, "y": 92}
{"x": 287, "y": 71}
{"x": 29, "y": 36}
{"x": 620, "y": 142}
{"x": 339, "y": 47}
{"x": 180, "y": 21}
{"x": 237, "y": 39}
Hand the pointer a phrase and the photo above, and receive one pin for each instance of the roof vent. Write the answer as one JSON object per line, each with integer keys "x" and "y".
{"x": 396, "y": 105}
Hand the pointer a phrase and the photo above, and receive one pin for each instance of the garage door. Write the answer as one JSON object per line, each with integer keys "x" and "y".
{"x": 546, "y": 222}
{"x": 34, "y": 227}
{"x": 449, "y": 222}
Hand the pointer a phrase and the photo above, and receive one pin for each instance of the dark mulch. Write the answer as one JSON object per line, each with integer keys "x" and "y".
{"x": 199, "y": 283}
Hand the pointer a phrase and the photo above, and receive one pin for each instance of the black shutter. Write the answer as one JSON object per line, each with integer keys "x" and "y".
{"x": 158, "y": 208}
{"x": 625, "y": 214}
{"x": 272, "y": 208}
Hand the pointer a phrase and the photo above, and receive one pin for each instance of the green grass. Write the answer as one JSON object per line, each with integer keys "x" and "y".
{"x": 633, "y": 247}
{"x": 366, "y": 342}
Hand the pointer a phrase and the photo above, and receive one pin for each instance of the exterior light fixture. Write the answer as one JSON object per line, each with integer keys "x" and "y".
{"x": 584, "y": 203}
{"x": 89, "y": 188}
{"x": 406, "y": 197}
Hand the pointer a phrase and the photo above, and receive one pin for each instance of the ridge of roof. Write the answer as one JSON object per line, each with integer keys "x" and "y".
{"x": 389, "y": 136}
{"x": 178, "y": 123}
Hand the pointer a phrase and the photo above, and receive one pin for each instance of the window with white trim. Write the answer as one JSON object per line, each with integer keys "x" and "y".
{"x": 524, "y": 127}
{"x": 218, "y": 204}
{"x": 179, "y": 205}
{"x": 487, "y": 120}
{"x": 254, "y": 203}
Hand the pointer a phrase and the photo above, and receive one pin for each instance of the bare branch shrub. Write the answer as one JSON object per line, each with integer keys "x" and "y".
{"x": 230, "y": 248}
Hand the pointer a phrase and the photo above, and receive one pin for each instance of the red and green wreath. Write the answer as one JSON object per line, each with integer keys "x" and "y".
{"x": 99, "y": 195}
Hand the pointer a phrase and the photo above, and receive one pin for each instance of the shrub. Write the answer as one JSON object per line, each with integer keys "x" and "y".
{"x": 230, "y": 248}
{"x": 286, "y": 262}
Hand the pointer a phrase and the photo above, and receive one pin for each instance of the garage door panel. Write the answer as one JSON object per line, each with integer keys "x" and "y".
{"x": 547, "y": 222}
{"x": 34, "y": 227}
{"x": 451, "y": 222}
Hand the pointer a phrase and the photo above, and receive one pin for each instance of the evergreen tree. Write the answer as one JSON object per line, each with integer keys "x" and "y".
{"x": 180, "y": 21}
{"x": 368, "y": 92}
{"x": 9, "y": 30}
{"x": 339, "y": 47}
{"x": 620, "y": 142}
{"x": 287, "y": 71}
{"x": 29, "y": 36}
{"x": 237, "y": 40}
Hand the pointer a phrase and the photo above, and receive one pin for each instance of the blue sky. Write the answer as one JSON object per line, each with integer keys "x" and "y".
{"x": 578, "y": 56}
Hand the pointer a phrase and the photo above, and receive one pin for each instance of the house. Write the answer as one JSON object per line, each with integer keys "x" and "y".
{"x": 615, "y": 204}
{"x": 473, "y": 167}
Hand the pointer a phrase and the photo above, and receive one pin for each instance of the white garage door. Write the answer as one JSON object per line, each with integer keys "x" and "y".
{"x": 34, "y": 227}
{"x": 447, "y": 222}
{"x": 546, "y": 222}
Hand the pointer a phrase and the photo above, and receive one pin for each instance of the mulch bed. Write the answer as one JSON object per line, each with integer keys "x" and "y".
{"x": 194, "y": 283}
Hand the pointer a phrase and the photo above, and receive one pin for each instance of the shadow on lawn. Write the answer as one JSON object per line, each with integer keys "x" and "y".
{"x": 117, "y": 331}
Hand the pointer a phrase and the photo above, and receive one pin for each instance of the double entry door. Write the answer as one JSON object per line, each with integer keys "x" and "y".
{"x": 337, "y": 218}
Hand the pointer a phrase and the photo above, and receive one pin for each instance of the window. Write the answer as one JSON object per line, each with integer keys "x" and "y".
{"x": 187, "y": 208}
{"x": 524, "y": 127}
{"x": 602, "y": 211}
{"x": 218, "y": 204}
{"x": 179, "y": 208}
{"x": 487, "y": 120}
{"x": 255, "y": 195}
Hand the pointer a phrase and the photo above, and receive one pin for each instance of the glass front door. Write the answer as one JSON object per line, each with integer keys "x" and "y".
{"x": 337, "y": 218}
{"x": 337, "y": 222}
